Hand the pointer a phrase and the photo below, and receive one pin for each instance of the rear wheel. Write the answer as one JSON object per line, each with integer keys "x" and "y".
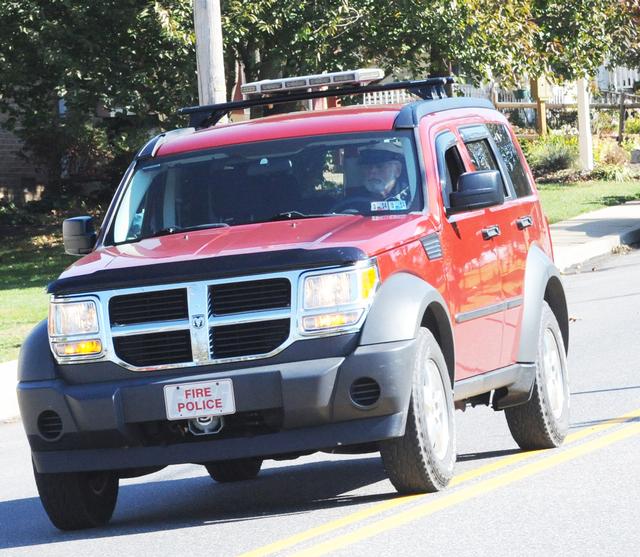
{"x": 422, "y": 460}
{"x": 543, "y": 422}
{"x": 78, "y": 500}
{"x": 234, "y": 470}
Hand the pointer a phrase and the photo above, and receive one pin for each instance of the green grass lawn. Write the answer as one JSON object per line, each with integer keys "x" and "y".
{"x": 29, "y": 259}
{"x": 563, "y": 201}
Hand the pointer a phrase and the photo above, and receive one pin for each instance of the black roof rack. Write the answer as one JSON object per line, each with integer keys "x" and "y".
{"x": 209, "y": 115}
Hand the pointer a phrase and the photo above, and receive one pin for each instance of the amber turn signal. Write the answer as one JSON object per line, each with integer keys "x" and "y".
{"x": 78, "y": 348}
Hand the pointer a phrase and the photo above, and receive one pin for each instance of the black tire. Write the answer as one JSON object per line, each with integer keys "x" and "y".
{"x": 234, "y": 470}
{"x": 416, "y": 463}
{"x": 543, "y": 422}
{"x": 78, "y": 500}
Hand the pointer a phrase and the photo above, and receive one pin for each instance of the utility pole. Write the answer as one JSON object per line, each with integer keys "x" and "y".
{"x": 208, "y": 27}
{"x": 584, "y": 126}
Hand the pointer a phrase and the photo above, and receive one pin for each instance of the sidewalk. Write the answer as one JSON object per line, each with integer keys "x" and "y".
{"x": 575, "y": 241}
{"x": 593, "y": 234}
{"x": 8, "y": 381}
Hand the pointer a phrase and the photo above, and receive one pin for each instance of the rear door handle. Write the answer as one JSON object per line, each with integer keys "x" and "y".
{"x": 524, "y": 222}
{"x": 491, "y": 232}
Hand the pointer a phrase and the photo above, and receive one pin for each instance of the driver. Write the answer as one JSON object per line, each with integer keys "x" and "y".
{"x": 381, "y": 167}
{"x": 383, "y": 181}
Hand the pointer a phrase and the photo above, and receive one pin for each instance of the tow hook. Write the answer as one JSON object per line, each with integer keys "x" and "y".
{"x": 206, "y": 425}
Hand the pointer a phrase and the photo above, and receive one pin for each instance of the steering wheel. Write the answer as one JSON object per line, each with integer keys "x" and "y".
{"x": 353, "y": 205}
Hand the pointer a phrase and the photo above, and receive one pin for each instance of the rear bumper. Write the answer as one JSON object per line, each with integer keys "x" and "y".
{"x": 280, "y": 408}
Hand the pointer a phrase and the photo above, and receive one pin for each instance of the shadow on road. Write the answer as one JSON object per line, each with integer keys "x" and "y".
{"x": 182, "y": 503}
{"x": 488, "y": 454}
{"x": 170, "y": 504}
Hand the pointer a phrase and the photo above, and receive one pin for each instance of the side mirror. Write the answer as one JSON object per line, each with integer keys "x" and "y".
{"x": 78, "y": 235}
{"x": 477, "y": 190}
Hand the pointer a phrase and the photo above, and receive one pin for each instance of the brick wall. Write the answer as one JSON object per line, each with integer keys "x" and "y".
{"x": 20, "y": 180}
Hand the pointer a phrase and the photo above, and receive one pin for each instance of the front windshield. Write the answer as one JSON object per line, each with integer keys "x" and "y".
{"x": 367, "y": 173}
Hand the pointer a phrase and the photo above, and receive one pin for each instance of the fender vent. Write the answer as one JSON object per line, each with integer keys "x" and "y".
{"x": 432, "y": 246}
{"x": 50, "y": 425}
{"x": 365, "y": 391}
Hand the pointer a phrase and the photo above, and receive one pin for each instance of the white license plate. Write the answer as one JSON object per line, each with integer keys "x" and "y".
{"x": 193, "y": 400}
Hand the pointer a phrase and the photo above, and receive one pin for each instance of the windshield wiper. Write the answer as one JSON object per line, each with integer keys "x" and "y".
{"x": 175, "y": 229}
{"x": 294, "y": 215}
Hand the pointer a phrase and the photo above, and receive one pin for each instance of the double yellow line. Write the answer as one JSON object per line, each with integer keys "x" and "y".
{"x": 431, "y": 505}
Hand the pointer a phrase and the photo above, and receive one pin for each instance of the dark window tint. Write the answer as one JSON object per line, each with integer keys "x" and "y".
{"x": 455, "y": 166}
{"x": 450, "y": 164}
{"x": 511, "y": 158}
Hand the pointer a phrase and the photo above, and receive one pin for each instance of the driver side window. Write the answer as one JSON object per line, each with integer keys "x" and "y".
{"x": 450, "y": 165}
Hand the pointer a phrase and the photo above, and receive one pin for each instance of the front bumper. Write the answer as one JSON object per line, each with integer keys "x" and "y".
{"x": 281, "y": 408}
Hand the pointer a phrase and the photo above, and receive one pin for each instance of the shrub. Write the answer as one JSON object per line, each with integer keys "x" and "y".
{"x": 15, "y": 215}
{"x": 606, "y": 151}
{"x": 605, "y": 121}
{"x": 630, "y": 144}
{"x": 632, "y": 125}
{"x": 551, "y": 153}
{"x": 612, "y": 173}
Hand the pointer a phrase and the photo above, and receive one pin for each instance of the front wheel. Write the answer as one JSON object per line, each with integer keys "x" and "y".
{"x": 422, "y": 460}
{"x": 78, "y": 500}
{"x": 543, "y": 422}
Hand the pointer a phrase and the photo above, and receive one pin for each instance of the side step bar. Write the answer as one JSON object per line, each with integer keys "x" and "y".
{"x": 518, "y": 379}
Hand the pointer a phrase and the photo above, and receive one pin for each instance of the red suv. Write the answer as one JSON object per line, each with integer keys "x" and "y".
{"x": 334, "y": 280}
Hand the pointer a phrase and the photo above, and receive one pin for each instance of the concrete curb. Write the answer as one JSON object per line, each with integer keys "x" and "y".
{"x": 567, "y": 257}
{"x": 8, "y": 401}
{"x": 595, "y": 234}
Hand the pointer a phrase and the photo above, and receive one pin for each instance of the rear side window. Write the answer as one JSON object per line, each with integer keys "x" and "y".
{"x": 481, "y": 155}
{"x": 483, "y": 158}
{"x": 511, "y": 159}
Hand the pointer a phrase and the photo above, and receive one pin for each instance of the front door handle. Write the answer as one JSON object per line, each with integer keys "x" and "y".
{"x": 491, "y": 232}
{"x": 524, "y": 222}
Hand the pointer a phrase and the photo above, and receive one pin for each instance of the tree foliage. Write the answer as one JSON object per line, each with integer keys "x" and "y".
{"x": 137, "y": 57}
{"x": 134, "y": 57}
{"x": 480, "y": 38}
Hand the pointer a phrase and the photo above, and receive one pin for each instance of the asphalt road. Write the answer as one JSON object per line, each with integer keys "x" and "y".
{"x": 581, "y": 499}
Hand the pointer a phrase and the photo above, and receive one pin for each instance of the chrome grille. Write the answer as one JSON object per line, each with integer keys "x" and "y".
{"x": 173, "y": 347}
{"x": 199, "y": 323}
{"x": 230, "y": 341}
{"x": 255, "y": 295}
{"x": 148, "y": 307}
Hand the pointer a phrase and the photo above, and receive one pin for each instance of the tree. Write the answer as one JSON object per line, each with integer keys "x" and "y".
{"x": 480, "y": 38}
{"x": 625, "y": 25}
{"x": 134, "y": 57}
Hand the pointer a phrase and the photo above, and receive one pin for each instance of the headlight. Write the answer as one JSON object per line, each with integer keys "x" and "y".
{"x": 73, "y": 318}
{"x": 73, "y": 327}
{"x": 333, "y": 301}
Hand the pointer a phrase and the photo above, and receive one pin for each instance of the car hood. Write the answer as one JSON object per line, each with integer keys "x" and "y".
{"x": 371, "y": 235}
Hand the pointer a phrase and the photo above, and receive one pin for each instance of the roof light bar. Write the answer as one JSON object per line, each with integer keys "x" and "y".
{"x": 208, "y": 115}
{"x": 352, "y": 77}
